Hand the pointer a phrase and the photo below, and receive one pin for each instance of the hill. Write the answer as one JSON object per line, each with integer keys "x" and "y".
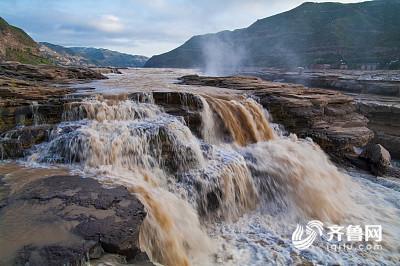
{"x": 313, "y": 33}
{"x": 17, "y": 45}
{"x": 92, "y": 56}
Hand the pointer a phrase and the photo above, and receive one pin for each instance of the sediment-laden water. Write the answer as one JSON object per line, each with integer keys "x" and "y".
{"x": 232, "y": 195}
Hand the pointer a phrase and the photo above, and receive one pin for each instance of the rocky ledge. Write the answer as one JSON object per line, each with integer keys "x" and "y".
{"x": 328, "y": 117}
{"x": 383, "y": 114}
{"x": 29, "y": 97}
{"x": 355, "y": 81}
{"x": 68, "y": 220}
{"x": 106, "y": 70}
{"x": 181, "y": 104}
{"x": 375, "y": 91}
{"x": 44, "y": 73}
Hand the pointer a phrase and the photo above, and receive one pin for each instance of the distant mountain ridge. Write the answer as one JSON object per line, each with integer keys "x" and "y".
{"x": 312, "y": 33}
{"x": 92, "y": 56}
{"x": 17, "y": 45}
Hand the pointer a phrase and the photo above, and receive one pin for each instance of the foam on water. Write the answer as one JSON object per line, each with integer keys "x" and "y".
{"x": 215, "y": 200}
{"x": 264, "y": 235}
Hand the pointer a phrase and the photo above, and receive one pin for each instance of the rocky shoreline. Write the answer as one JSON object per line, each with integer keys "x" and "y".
{"x": 377, "y": 82}
{"x": 376, "y": 93}
{"x": 31, "y": 101}
{"x": 383, "y": 115}
{"x": 337, "y": 122}
{"x": 330, "y": 118}
{"x": 94, "y": 219}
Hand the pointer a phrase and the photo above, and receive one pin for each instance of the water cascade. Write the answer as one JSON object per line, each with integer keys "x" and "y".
{"x": 179, "y": 177}
{"x": 244, "y": 118}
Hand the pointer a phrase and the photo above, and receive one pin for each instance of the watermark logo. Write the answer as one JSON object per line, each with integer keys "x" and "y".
{"x": 304, "y": 241}
{"x": 338, "y": 237}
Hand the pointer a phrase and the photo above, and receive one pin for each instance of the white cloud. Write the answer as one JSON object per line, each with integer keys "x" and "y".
{"x": 108, "y": 23}
{"x": 137, "y": 26}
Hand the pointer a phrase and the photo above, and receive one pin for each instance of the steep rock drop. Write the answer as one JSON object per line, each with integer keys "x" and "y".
{"x": 191, "y": 187}
{"x": 244, "y": 119}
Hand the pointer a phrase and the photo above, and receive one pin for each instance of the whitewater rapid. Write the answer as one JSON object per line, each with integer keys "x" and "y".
{"x": 231, "y": 196}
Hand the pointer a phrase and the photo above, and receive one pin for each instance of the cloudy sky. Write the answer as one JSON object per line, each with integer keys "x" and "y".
{"x": 144, "y": 27}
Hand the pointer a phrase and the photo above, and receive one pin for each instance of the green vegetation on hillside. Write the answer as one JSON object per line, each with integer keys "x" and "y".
{"x": 18, "y": 33}
{"x": 16, "y": 45}
{"x": 25, "y": 57}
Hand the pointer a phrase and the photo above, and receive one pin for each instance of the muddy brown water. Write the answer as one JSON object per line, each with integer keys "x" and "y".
{"x": 255, "y": 188}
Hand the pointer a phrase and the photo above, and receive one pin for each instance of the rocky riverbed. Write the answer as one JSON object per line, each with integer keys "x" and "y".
{"x": 112, "y": 166}
{"x": 383, "y": 115}
{"x": 376, "y": 93}
{"x": 329, "y": 118}
{"x": 378, "y": 82}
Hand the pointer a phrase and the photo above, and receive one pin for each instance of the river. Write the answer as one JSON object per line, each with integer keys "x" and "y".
{"x": 232, "y": 195}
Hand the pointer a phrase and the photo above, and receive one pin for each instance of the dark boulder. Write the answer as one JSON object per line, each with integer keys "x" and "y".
{"x": 377, "y": 157}
{"x": 14, "y": 143}
{"x": 97, "y": 219}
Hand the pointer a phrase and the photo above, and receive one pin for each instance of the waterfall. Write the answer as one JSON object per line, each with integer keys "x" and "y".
{"x": 244, "y": 119}
{"x": 297, "y": 174}
{"x": 37, "y": 118}
{"x": 101, "y": 110}
{"x": 187, "y": 184}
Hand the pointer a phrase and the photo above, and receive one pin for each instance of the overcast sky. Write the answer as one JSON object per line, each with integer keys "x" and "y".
{"x": 145, "y": 27}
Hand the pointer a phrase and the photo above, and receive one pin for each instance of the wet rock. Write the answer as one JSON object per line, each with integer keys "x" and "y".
{"x": 379, "y": 82}
{"x": 96, "y": 252}
{"x": 51, "y": 255}
{"x": 97, "y": 219}
{"x": 328, "y": 117}
{"x": 384, "y": 119}
{"x": 47, "y": 72}
{"x": 164, "y": 138}
{"x": 10, "y": 149}
{"x": 121, "y": 239}
{"x": 30, "y": 102}
{"x": 14, "y": 143}
{"x": 30, "y": 135}
{"x": 106, "y": 70}
{"x": 378, "y": 158}
{"x": 4, "y": 192}
{"x": 141, "y": 260}
{"x": 186, "y": 105}
{"x": 28, "y": 94}
{"x": 28, "y": 112}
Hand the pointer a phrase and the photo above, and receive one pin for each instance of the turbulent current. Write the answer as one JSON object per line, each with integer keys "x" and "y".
{"x": 232, "y": 194}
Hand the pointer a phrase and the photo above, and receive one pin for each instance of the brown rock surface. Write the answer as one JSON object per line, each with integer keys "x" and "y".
{"x": 383, "y": 114}
{"x": 76, "y": 219}
{"x": 29, "y": 96}
{"x": 14, "y": 142}
{"x": 380, "y": 82}
{"x": 47, "y": 72}
{"x": 328, "y": 117}
{"x": 183, "y": 104}
{"x": 25, "y": 103}
{"x": 106, "y": 70}
{"x": 378, "y": 158}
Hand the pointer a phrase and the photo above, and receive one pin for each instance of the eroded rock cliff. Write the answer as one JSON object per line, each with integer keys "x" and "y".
{"x": 328, "y": 117}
